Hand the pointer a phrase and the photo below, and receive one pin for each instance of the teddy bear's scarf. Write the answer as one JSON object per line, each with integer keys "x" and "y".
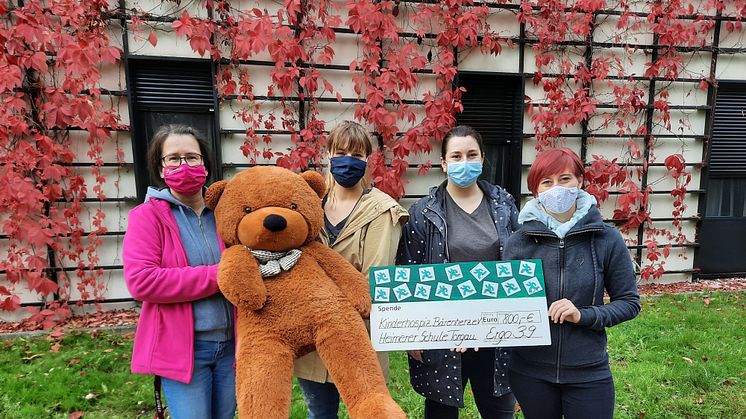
{"x": 272, "y": 263}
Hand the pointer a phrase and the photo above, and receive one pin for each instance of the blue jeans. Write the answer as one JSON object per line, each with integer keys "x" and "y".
{"x": 212, "y": 391}
{"x": 322, "y": 399}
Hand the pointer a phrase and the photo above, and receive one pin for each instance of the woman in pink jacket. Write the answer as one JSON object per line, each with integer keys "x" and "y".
{"x": 171, "y": 252}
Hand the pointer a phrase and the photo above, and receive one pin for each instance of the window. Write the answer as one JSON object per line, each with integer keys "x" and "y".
{"x": 170, "y": 92}
{"x": 725, "y": 197}
{"x": 726, "y": 188}
{"x": 723, "y": 227}
{"x": 492, "y": 106}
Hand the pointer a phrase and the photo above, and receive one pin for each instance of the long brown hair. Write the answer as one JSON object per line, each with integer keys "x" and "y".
{"x": 349, "y": 137}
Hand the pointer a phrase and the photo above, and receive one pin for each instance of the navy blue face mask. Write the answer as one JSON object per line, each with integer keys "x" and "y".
{"x": 347, "y": 170}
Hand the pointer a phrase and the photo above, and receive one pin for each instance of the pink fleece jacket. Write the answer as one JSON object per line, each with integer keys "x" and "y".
{"x": 157, "y": 273}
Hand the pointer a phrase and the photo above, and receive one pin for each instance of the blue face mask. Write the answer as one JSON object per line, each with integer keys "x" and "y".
{"x": 464, "y": 174}
{"x": 558, "y": 199}
{"x": 347, "y": 170}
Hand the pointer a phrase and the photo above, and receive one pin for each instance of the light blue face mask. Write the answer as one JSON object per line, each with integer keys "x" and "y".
{"x": 464, "y": 174}
{"x": 559, "y": 199}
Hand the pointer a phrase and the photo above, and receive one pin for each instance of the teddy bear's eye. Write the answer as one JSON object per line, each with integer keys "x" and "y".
{"x": 293, "y": 206}
{"x": 247, "y": 209}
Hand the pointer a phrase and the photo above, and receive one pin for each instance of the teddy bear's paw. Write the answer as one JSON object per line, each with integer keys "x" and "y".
{"x": 377, "y": 406}
{"x": 363, "y": 307}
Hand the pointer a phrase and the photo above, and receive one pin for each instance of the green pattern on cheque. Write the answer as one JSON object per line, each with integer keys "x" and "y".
{"x": 457, "y": 281}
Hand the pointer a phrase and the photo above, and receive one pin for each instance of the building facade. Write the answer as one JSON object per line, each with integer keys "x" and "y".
{"x": 166, "y": 81}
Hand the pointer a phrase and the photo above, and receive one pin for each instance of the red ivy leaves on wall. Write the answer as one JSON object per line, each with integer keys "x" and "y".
{"x": 50, "y": 72}
{"x": 51, "y": 55}
{"x": 574, "y": 92}
{"x": 299, "y": 37}
{"x": 390, "y": 67}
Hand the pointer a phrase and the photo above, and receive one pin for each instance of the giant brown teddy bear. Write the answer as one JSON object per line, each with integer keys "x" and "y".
{"x": 317, "y": 303}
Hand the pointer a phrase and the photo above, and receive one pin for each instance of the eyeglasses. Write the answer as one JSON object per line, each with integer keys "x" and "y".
{"x": 174, "y": 160}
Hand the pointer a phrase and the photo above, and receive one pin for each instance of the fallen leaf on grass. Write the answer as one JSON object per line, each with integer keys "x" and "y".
{"x": 75, "y": 415}
{"x": 108, "y": 350}
{"x": 32, "y": 357}
{"x": 689, "y": 360}
{"x": 727, "y": 383}
{"x": 707, "y": 301}
{"x": 700, "y": 400}
{"x": 55, "y": 348}
{"x": 90, "y": 396}
{"x": 642, "y": 415}
{"x": 73, "y": 362}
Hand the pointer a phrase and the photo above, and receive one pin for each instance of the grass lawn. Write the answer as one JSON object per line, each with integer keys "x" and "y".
{"x": 684, "y": 357}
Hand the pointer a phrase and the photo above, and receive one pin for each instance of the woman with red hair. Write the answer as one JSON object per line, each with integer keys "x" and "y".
{"x": 581, "y": 258}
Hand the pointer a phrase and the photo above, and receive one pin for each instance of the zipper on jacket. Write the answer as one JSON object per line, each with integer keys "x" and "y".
{"x": 204, "y": 237}
{"x": 207, "y": 243}
{"x": 445, "y": 236}
{"x": 554, "y": 236}
{"x": 561, "y": 295}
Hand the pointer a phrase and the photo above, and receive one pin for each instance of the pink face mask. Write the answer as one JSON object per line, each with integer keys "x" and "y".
{"x": 185, "y": 179}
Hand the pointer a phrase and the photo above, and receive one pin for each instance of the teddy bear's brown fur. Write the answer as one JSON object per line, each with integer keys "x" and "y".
{"x": 317, "y": 304}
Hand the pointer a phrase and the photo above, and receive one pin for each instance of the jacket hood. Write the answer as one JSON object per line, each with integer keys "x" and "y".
{"x": 370, "y": 206}
{"x": 374, "y": 203}
{"x": 164, "y": 194}
{"x": 535, "y": 220}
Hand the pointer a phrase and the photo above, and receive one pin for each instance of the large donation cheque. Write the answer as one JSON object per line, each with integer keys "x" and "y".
{"x": 459, "y": 305}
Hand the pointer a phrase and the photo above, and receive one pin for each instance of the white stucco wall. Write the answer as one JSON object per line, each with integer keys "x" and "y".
{"x": 687, "y": 123}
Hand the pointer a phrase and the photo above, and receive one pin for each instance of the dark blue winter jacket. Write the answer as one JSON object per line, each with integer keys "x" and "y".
{"x": 424, "y": 241}
{"x": 591, "y": 258}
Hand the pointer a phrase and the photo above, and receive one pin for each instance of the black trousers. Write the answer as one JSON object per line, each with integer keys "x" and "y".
{"x": 479, "y": 369}
{"x": 540, "y": 399}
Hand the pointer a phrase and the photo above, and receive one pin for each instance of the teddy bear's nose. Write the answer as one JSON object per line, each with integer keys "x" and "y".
{"x": 275, "y": 223}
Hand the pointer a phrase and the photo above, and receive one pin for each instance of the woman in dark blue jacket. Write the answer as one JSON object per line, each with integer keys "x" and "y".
{"x": 581, "y": 258}
{"x": 462, "y": 220}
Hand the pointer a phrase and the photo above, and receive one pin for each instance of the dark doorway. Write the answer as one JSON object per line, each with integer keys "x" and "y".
{"x": 171, "y": 92}
{"x": 493, "y": 106}
{"x": 722, "y": 234}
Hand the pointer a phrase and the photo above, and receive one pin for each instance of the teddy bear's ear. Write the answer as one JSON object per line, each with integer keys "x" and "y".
{"x": 316, "y": 181}
{"x": 213, "y": 193}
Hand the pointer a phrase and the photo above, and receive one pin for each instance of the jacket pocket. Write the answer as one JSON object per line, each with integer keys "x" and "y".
{"x": 583, "y": 347}
{"x": 539, "y": 355}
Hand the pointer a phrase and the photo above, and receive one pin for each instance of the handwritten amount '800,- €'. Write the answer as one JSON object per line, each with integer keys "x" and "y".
{"x": 518, "y": 325}
{"x": 510, "y": 317}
